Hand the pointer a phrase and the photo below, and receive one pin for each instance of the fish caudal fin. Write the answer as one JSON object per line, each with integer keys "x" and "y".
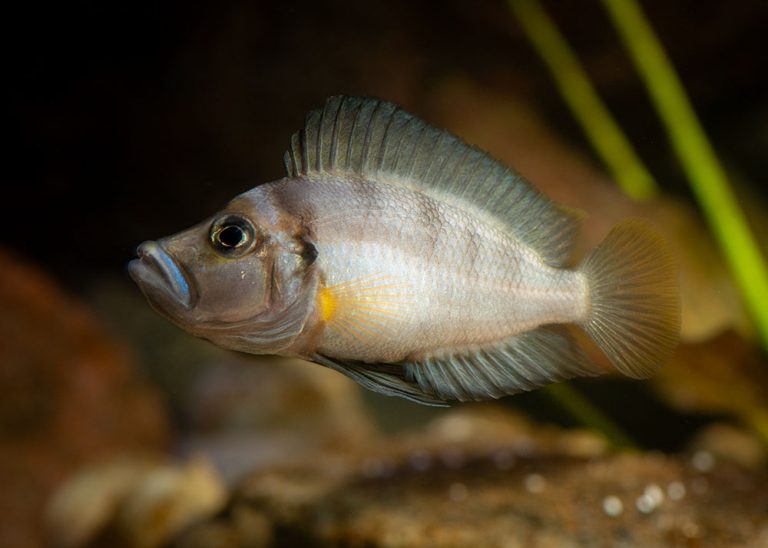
{"x": 634, "y": 302}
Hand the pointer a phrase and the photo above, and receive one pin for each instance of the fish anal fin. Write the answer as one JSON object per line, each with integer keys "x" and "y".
{"x": 526, "y": 361}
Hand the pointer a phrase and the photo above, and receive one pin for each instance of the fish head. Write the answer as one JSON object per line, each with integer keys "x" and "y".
{"x": 242, "y": 278}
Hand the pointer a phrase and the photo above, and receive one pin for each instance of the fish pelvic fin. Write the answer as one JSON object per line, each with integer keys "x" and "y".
{"x": 379, "y": 141}
{"x": 384, "y": 379}
{"x": 634, "y": 299}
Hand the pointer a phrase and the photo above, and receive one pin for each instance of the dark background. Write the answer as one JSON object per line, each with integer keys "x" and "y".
{"x": 130, "y": 120}
{"x": 127, "y": 121}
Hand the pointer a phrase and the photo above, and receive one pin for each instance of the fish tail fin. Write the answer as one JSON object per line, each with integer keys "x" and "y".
{"x": 634, "y": 299}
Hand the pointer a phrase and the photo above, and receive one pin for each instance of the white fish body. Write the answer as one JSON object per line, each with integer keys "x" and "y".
{"x": 417, "y": 265}
{"x": 405, "y": 276}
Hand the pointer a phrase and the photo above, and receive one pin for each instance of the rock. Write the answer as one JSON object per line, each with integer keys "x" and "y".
{"x": 724, "y": 375}
{"x": 133, "y": 501}
{"x": 69, "y": 395}
{"x": 85, "y": 504}
{"x": 242, "y": 411}
{"x": 246, "y": 413}
{"x": 453, "y": 484}
{"x": 726, "y": 442}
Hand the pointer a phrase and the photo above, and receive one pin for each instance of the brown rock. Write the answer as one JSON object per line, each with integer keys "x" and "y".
{"x": 525, "y": 486}
{"x": 727, "y": 442}
{"x": 133, "y": 501}
{"x": 724, "y": 375}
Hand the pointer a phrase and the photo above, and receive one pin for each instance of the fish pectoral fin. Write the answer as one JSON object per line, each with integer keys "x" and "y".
{"x": 382, "y": 378}
{"x": 365, "y": 309}
{"x": 542, "y": 356}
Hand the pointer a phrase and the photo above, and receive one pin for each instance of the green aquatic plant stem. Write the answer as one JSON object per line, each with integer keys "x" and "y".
{"x": 756, "y": 418}
{"x": 574, "y": 85}
{"x": 707, "y": 177}
{"x": 582, "y": 410}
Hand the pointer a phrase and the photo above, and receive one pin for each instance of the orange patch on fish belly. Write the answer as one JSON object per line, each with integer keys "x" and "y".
{"x": 327, "y": 303}
{"x": 373, "y": 306}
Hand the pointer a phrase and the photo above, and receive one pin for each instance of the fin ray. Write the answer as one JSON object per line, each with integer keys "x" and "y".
{"x": 382, "y": 382}
{"x": 365, "y": 307}
{"x": 524, "y": 362}
{"x": 634, "y": 313}
{"x": 380, "y": 141}
{"x": 529, "y": 360}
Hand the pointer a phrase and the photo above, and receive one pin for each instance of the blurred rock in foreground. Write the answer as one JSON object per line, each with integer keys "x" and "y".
{"x": 480, "y": 479}
{"x": 242, "y": 412}
{"x": 245, "y": 414}
{"x": 69, "y": 395}
{"x": 132, "y": 501}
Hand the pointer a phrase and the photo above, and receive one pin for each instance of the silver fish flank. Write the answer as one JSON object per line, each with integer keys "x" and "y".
{"x": 397, "y": 254}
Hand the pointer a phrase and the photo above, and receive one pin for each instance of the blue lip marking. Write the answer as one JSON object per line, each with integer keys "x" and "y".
{"x": 168, "y": 276}
{"x": 179, "y": 281}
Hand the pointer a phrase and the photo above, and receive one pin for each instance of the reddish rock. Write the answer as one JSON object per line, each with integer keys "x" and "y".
{"x": 69, "y": 394}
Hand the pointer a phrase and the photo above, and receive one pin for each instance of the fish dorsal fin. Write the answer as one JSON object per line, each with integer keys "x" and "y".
{"x": 379, "y": 141}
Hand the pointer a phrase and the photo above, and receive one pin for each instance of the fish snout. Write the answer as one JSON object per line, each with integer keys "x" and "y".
{"x": 158, "y": 274}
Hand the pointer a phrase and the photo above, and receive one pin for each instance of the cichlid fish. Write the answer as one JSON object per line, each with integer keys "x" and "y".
{"x": 414, "y": 263}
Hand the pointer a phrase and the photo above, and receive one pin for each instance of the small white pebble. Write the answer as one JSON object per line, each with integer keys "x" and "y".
{"x": 650, "y": 500}
{"x": 703, "y": 461}
{"x": 676, "y": 490}
{"x": 613, "y": 506}
{"x": 458, "y": 492}
{"x": 645, "y": 504}
{"x": 655, "y": 494}
{"x": 535, "y": 483}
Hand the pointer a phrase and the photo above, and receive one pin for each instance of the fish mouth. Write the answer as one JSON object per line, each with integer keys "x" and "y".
{"x": 160, "y": 277}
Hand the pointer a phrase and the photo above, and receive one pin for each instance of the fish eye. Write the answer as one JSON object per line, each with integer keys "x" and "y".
{"x": 232, "y": 235}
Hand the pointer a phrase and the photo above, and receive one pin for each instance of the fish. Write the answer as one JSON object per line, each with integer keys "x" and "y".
{"x": 416, "y": 264}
